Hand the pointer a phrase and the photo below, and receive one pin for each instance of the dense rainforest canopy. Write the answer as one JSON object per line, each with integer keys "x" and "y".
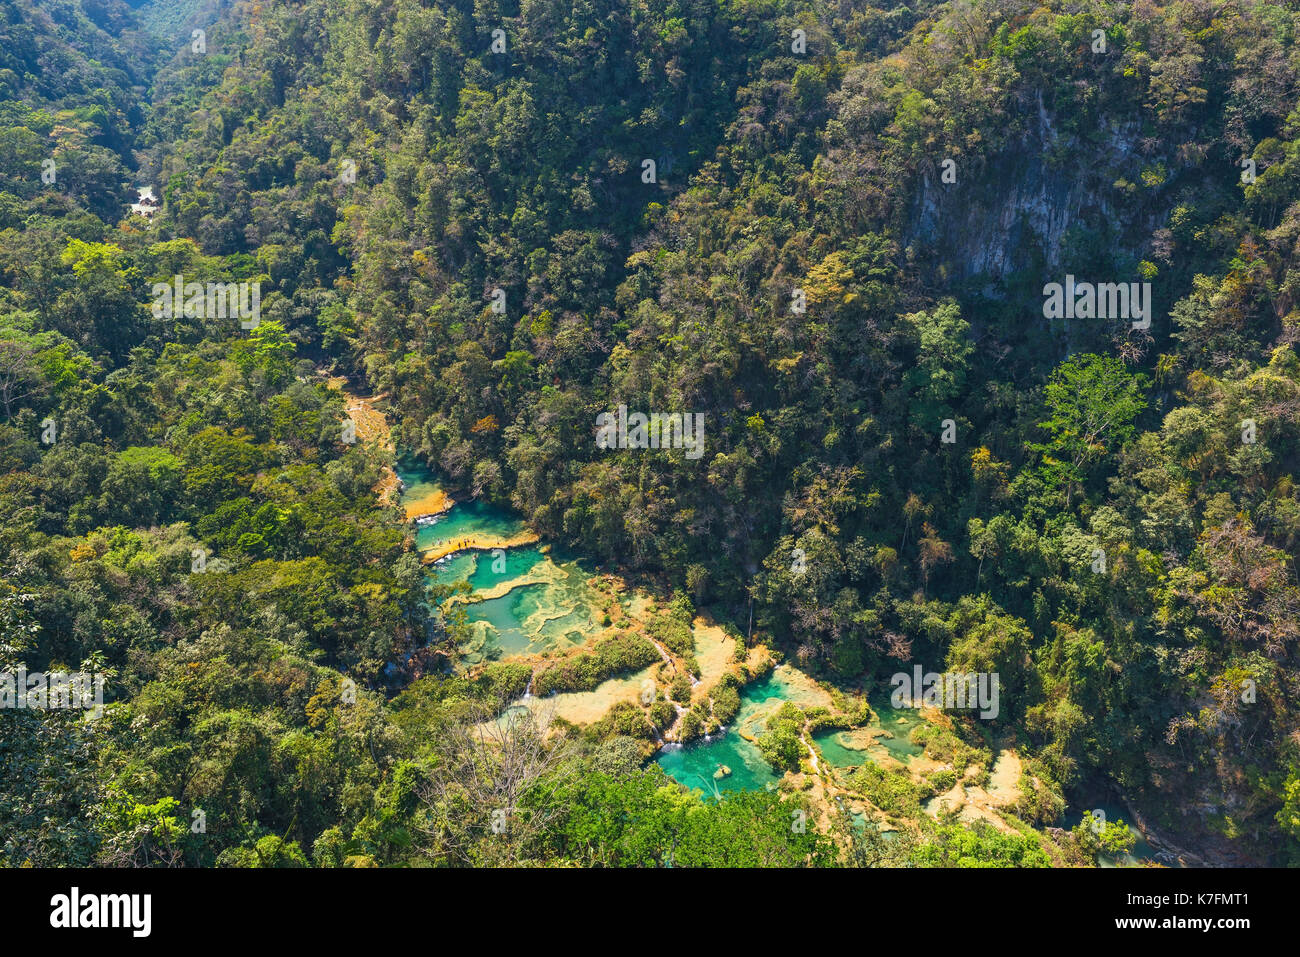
{"x": 836, "y": 254}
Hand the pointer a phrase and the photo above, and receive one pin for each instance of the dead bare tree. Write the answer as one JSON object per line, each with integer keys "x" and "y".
{"x": 19, "y": 377}
{"x": 496, "y": 789}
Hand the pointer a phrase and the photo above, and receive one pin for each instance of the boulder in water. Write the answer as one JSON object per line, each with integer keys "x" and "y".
{"x": 722, "y": 772}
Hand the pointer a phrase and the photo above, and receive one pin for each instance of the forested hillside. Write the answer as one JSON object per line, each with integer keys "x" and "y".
{"x": 828, "y": 228}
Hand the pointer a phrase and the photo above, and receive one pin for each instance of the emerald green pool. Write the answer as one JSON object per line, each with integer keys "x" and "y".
{"x": 466, "y": 518}
{"x": 553, "y": 605}
{"x": 897, "y": 725}
{"x": 538, "y": 605}
{"x": 1142, "y": 851}
{"x": 694, "y": 764}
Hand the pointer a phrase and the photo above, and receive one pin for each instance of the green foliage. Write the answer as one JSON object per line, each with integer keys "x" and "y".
{"x": 645, "y": 820}
{"x": 1109, "y": 838}
{"x": 981, "y": 845}
{"x": 888, "y": 790}
{"x": 1092, "y": 402}
{"x": 620, "y": 654}
{"x": 781, "y": 741}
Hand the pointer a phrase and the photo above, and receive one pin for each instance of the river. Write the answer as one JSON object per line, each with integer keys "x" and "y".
{"x": 529, "y": 602}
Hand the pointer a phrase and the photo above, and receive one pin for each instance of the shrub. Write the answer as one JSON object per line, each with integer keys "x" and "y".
{"x": 680, "y": 690}
{"x": 618, "y": 654}
{"x": 662, "y": 715}
{"x": 726, "y": 704}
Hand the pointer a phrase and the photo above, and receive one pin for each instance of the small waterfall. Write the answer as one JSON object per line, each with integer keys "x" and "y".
{"x": 528, "y": 691}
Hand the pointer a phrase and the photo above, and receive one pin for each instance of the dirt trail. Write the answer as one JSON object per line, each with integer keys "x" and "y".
{"x": 812, "y": 754}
